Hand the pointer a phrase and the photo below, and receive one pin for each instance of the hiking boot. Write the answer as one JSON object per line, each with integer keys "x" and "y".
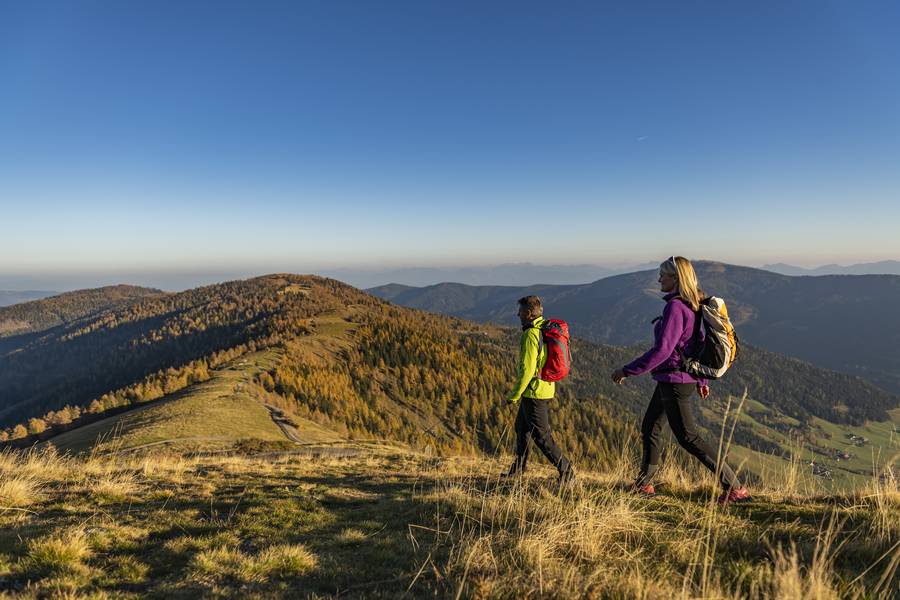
{"x": 567, "y": 478}
{"x": 643, "y": 489}
{"x": 734, "y": 495}
{"x": 514, "y": 473}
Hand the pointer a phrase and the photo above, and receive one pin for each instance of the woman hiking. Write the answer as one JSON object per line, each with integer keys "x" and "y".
{"x": 677, "y": 332}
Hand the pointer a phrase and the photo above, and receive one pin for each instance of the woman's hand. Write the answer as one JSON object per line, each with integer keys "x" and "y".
{"x": 618, "y": 376}
{"x": 703, "y": 390}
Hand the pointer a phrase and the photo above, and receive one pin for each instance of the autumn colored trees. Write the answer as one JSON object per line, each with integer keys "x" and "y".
{"x": 410, "y": 376}
{"x": 151, "y": 345}
{"x": 434, "y": 381}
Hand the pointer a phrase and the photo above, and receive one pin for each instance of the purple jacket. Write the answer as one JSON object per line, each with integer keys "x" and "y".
{"x": 678, "y": 329}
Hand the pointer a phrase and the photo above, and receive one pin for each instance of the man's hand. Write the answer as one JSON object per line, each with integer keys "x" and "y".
{"x": 512, "y": 400}
{"x": 703, "y": 390}
{"x": 618, "y": 376}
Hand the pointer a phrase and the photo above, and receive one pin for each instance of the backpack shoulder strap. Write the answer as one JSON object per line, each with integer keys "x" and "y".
{"x": 537, "y": 366}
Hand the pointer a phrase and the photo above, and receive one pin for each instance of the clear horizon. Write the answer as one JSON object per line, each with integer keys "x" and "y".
{"x": 212, "y": 138}
{"x": 181, "y": 279}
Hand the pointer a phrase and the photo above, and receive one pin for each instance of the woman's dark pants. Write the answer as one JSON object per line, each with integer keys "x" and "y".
{"x": 671, "y": 401}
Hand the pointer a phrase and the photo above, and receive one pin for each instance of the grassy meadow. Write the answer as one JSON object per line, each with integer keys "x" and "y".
{"x": 384, "y": 521}
{"x": 207, "y": 416}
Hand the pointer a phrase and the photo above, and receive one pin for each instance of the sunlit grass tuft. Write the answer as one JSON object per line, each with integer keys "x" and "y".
{"x": 351, "y": 535}
{"x": 116, "y": 487}
{"x": 60, "y": 553}
{"x": 18, "y": 491}
{"x": 225, "y": 563}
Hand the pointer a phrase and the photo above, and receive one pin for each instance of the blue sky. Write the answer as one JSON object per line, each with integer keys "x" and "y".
{"x": 264, "y": 136}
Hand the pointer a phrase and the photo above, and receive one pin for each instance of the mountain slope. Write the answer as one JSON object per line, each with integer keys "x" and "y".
{"x": 838, "y": 322}
{"x": 40, "y": 315}
{"x": 349, "y": 362}
{"x": 84, "y": 359}
{"x": 347, "y": 365}
{"x": 213, "y": 414}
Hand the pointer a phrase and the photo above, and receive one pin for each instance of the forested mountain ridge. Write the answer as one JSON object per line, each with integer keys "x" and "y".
{"x": 42, "y": 314}
{"x": 78, "y": 362}
{"x": 841, "y": 322}
{"x": 413, "y": 377}
{"x": 365, "y": 368}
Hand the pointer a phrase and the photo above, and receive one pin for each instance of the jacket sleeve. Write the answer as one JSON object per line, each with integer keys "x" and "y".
{"x": 670, "y": 331}
{"x": 528, "y": 356}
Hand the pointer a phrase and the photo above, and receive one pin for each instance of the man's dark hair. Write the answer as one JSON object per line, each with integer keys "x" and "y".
{"x": 533, "y": 305}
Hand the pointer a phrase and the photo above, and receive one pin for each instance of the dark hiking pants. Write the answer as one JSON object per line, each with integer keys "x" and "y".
{"x": 671, "y": 401}
{"x": 533, "y": 423}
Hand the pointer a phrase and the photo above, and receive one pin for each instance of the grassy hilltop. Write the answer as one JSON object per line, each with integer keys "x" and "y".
{"x": 384, "y": 521}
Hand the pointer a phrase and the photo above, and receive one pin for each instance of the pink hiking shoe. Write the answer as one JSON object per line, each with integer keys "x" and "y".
{"x": 734, "y": 495}
{"x": 646, "y": 490}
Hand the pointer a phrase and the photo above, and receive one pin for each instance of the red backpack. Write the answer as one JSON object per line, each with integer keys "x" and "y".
{"x": 555, "y": 333}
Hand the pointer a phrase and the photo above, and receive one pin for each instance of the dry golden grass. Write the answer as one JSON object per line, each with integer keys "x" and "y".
{"x": 882, "y": 498}
{"x": 18, "y": 491}
{"x": 468, "y": 533}
{"x": 44, "y": 465}
{"x": 525, "y": 539}
{"x": 23, "y": 477}
{"x": 791, "y": 576}
{"x": 57, "y": 554}
{"x": 351, "y": 535}
{"x": 224, "y": 563}
{"x": 170, "y": 468}
{"x": 113, "y": 487}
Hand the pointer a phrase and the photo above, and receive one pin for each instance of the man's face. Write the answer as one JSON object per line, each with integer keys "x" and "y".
{"x": 523, "y": 314}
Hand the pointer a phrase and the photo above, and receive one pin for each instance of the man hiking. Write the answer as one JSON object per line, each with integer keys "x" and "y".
{"x": 533, "y": 395}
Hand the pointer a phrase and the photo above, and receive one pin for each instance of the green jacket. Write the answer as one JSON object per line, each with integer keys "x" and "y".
{"x": 528, "y": 383}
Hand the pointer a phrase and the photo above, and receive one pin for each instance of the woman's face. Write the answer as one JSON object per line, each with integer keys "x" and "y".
{"x": 667, "y": 282}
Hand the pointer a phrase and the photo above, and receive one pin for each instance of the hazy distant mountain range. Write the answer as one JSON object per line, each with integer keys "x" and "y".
{"x": 518, "y": 274}
{"x": 8, "y": 298}
{"x": 884, "y": 267}
{"x": 505, "y": 274}
{"x": 526, "y": 274}
{"x": 846, "y": 323}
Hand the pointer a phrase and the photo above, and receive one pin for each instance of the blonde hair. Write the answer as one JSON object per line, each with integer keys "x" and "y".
{"x": 688, "y": 287}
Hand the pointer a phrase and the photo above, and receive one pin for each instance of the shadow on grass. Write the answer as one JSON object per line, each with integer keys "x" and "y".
{"x": 356, "y": 526}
